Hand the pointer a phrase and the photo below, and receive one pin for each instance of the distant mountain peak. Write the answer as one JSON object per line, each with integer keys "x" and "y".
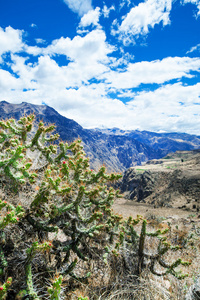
{"x": 118, "y": 149}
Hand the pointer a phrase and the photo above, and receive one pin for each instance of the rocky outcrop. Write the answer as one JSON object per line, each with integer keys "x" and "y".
{"x": 171, "y": 182}
{"x": 139, "y": 186}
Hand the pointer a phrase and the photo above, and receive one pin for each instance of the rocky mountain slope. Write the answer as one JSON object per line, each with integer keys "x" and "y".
{"x": 164, "y": 141}
{"x": 116, "y": 149}
{"x": 173, "y": 181}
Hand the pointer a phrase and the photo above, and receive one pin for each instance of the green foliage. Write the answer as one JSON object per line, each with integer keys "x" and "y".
{"x": 69, "y": 199}
{"x": 4, "y": 288}
{"x": 55, "y": 290}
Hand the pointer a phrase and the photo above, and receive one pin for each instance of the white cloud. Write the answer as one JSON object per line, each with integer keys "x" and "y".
{"x": 85, "y": 49}
{"x": 195, "y": 2}
{"x": 79, "y": 6}
{"x": 169, "y": 108}
{"x": 40, "y": 41}
{"x": 88, "y": 55}
{"x": 124, "y": 2}
{"x": 153, "y": 72}
{"x": 69, "y": 90}
{"x": 106, "y": 11}
{"x": 195, "y": 48}
{"x": 8, "y": 81}
{"x": 90, "y": 18}
{"x": 11, "y": 40}
{"x": 144, "y": 16}
{"x": 33, "y": 25}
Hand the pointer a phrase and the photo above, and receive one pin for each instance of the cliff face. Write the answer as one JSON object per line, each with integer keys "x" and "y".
{"x": 116, "y": 149}
{"x": 173, "y": 181}
{"x": 169, "y": 142}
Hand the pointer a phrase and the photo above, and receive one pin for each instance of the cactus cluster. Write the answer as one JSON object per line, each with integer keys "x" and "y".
{"x": 69, "y": 199}
{"x": 130, "y": 236}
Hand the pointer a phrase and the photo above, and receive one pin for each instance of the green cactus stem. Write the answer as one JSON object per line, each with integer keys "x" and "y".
{"x": 31, "y": 252}
{"x": 55, "y": 290}
{"x": 4, "y": 288}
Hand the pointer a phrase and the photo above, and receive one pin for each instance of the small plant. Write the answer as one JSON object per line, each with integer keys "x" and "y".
{"x": 55, "y": 290}
{"x": 4, "y": 288}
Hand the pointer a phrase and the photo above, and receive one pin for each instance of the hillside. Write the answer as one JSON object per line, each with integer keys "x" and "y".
{"x": 116, "y": 149}
{"x": 173, "y": 181}
{"x": 165, "y": 141}
{"x": 116, "y": 152}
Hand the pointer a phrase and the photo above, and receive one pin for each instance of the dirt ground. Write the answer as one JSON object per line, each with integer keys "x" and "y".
{"x": 128, "y": 208}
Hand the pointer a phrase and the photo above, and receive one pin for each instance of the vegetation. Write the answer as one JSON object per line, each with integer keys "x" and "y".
{"x": 65, "y": 233}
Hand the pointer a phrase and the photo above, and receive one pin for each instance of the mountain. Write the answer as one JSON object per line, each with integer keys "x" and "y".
{"x": 164, "y": 141}
{"x": 117, "y": 150}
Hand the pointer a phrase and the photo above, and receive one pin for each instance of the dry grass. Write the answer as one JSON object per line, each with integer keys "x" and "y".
{"x": 117, "y": 280}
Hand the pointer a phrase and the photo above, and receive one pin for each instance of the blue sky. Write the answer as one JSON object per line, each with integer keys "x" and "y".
{"x": 127, "y": 64}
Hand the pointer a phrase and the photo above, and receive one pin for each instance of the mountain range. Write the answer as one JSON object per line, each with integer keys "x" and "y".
{"x": 115, "y": 148}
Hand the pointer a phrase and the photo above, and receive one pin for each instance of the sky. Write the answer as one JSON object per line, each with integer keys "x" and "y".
{"x": 115, "y": 63}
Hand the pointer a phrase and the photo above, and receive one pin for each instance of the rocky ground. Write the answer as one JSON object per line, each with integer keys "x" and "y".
{"x": 171, "y": 182}
{"x": 167, "y": 193}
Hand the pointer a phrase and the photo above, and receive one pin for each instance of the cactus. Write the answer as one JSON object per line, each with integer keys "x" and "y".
{"x": 138, "y": 241}
{"x": 55, "y": 290}
{"x": 69, "y": 198}
{"x": 31, "y": 252}
{"x": 4, "y": 288}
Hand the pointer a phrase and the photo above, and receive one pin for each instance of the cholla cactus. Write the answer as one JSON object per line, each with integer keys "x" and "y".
{"x": 4, "y": 288}
{"x": 137, "y": 240}
{"x": 70, "y": 198}
{"x": 13, "y": 139}
{"x": 55, "y": 290}
{"x": 163, "y": 247}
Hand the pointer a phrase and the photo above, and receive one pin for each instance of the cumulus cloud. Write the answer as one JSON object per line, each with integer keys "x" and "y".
{"x": 80, "y": 89}
{"x": 80, "y": 7}
{"x": 90, "y": 18}
{"x": 169, "y": 108}
{"x": 143, "y": 17}
{"x": 88, "y": 54}
{"x": 11, "y": 40}
{"x": 158, "y": 71}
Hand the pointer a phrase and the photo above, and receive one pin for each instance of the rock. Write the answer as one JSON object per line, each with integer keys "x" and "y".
{"x": 139, "y": 185}
{"x": 168, "y": 184}
{"x": 194, "y": 291}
